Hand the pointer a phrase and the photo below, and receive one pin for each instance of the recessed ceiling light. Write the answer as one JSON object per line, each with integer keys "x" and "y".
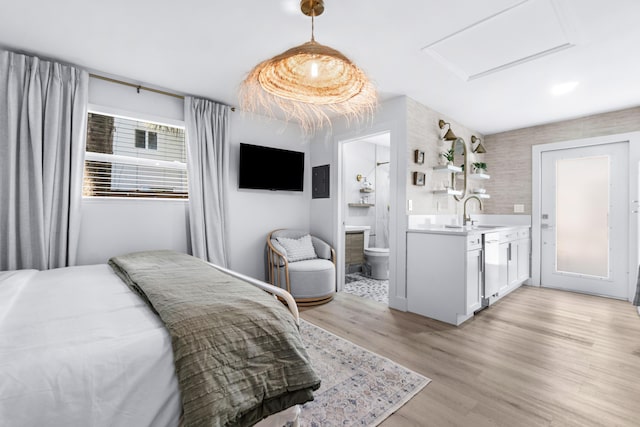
{"x": 563, "y": 88}
{"x": 291, "y": 7}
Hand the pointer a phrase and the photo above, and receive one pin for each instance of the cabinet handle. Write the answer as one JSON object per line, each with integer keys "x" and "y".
{"x": 481, "y": 261}
{"x": 509, "y": 252}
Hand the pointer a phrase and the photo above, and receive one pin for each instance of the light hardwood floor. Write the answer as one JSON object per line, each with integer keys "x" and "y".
{"x": 538, "y": 357}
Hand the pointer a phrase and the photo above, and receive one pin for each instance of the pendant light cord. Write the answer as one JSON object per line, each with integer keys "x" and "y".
{"x": 313, "y": 14}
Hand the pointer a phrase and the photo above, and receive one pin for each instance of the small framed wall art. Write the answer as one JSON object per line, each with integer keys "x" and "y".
{"x": 418, "y": 157}
{"x": 418, "y": 178}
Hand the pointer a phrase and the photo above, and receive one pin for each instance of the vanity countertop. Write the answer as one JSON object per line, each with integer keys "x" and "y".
{"x": 463, "y": 230}
{"x": 356, "y": 228}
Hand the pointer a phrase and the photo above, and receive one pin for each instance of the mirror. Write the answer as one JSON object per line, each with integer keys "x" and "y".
{"x": 459, "y": 159}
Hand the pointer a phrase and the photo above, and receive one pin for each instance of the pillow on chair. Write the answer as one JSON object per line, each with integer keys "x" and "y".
{"x": 298, "y": 249}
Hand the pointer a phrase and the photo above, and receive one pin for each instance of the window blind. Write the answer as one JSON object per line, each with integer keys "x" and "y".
{"x": 131, "y": 158}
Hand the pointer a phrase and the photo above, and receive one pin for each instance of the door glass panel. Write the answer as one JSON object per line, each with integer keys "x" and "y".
{"x": 582, "y": 216}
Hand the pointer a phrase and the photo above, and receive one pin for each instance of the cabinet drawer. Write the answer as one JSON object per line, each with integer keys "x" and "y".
{"x": 508, "y": 236}
{"x": 523, "y": 234}
{"x": 474, "y": 241}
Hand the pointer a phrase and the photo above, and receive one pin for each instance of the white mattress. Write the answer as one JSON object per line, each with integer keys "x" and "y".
{"x": 78, "y": 348}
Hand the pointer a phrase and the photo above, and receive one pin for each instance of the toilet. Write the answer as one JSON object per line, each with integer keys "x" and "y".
{"x": 378, "y": 261}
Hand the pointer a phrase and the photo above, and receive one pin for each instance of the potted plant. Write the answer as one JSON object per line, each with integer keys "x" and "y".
{"x": 479, "y": 167}
{"x": 448, "y": 156}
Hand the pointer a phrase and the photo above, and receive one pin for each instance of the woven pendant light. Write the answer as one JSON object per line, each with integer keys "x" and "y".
{"x": 309, "y": 83}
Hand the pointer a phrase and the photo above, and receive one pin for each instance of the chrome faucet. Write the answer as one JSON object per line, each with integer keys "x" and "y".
{"x": 466, "y": 217}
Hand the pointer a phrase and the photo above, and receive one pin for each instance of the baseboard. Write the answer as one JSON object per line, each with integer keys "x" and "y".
{"x": 398, "y": 303}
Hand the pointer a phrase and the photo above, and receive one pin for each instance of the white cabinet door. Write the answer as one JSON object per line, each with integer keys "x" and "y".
{"x": 512, "y": 264}
{"x": 524, "y": 253}
{"x": 503, "y": 267}
{"x": 474, "y": 280}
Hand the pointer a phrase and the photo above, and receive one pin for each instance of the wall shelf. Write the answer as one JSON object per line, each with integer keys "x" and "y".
{"x": 478, "y": 176}
{"x": 361, "y": 205}
{"x": 447, "y": 168}
{"x": 447, "y": 192}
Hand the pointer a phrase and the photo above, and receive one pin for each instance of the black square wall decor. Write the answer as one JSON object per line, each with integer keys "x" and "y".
{"x": 320, "y": 182}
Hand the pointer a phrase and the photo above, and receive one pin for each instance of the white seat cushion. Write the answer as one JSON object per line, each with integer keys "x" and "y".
{"x": 311, "y": 278}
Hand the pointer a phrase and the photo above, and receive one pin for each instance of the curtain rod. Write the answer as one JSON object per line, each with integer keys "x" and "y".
{"x": 140, "y": 87}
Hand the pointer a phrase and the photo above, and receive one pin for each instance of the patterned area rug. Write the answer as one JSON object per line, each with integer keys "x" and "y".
{"x": 359, "y": 388}
{"x": 366, "y": 287}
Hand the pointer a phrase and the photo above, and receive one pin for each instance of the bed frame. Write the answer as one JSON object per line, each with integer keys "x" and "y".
{"x": 274, "y": 290}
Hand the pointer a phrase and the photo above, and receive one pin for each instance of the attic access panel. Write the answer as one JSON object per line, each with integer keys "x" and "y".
{"x": 526, "y": 31}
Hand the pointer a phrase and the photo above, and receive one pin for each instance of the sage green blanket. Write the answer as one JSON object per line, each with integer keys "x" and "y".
{"x": 237, "y": 350}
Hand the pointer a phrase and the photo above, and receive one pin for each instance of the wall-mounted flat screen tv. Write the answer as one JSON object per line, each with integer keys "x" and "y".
{"x": 266, "y": 168}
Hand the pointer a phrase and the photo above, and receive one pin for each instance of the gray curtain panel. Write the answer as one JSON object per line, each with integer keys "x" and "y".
{"x": 207, "y": 133}
{"x": 43, "y": 110}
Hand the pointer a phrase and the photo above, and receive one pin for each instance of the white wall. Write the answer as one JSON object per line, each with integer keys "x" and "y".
{"x": 391, "y": 117}
{"x": 359, "y": 158}
{"x": 113, "y": 226}
{"x": 122, "y": 97}
{"x": 254, "y": 213}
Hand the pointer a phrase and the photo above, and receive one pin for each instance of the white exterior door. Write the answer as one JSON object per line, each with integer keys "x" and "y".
{"x": 584, "y": 219}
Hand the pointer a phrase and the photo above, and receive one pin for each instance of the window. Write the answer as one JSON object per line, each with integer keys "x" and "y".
{"x": 141, "y": 141}
{"x": 131, "y": 158}
{"x": 152, "y": 140}
{"x": 146, "y": 139}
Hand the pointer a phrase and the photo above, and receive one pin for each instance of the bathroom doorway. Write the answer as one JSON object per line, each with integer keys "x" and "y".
{"x": 365, "y": 211}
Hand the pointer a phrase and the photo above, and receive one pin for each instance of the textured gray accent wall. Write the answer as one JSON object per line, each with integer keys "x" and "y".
{"x": 508, "y": 154}
{"x": 423, "y": 134}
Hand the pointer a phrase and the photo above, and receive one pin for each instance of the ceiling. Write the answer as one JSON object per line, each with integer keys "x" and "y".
{"x": 490, "y": 64}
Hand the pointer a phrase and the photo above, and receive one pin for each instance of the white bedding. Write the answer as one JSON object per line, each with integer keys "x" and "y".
{"x": 78, "y": 348}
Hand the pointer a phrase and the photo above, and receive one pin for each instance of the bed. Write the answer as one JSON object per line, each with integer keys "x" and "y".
{"x": 79, "y": 347}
